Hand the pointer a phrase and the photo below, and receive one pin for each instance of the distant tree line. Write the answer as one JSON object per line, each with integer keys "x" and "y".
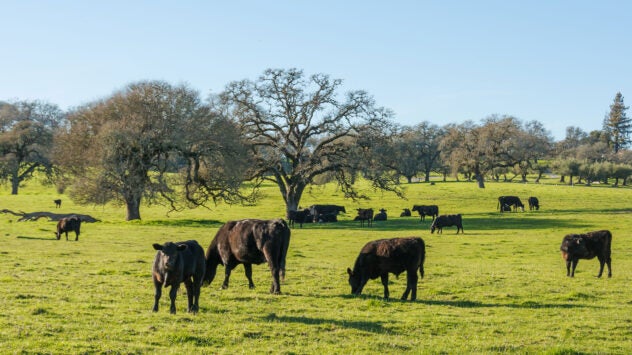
{"x": 155, "y": 142}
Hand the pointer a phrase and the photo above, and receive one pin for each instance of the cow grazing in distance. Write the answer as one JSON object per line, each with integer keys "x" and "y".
{"x": 249, "y": 241}
{"x": 318, "y": 210}
{"x": 381, "y": 257}
{"x": 69, "y": 224}
{"x": 300, "y": 216}
{"x": 447, "y": 220}
{"x": 381, "y": 216}
{"x": 365, "y": 214}
{"x": 510, "y": 201}
{"x": 587, "y": 246}
{"x": 405, "y": 213}
{"x": 534, "y": 203}
{"x": 430, "y": 210}
{"x": 176, "y": 263}
{"x": 57, "y": 203}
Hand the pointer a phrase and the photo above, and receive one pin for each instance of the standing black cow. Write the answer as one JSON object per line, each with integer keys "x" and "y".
{"x": 365, "y": 214}
{"x": 447, "y": 220}
{"x": 381, "y": 257}
{"x": 176, "y": 263}
{"x": 534, "y": 203}
{"x": 249, "y": 241}
{"x": 587, "y": 246}
{"x": 509, "y": 201}
{"x": 57, "y": 203}
{"x": 318, "y": 210}
{"x": 429, "y": 210}
{"x": 69, "y": 224}
{"x": 300, "y": 216}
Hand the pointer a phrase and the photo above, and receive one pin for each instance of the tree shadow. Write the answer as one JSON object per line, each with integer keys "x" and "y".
{"x": 373, "y": 327}
{"x": 184, "y": 223}
{"x": 523, "y": 305}
{"x": 34, "y": 238}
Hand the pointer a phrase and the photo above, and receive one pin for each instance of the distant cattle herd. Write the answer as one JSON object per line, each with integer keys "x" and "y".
{"x": 255, "y": 241}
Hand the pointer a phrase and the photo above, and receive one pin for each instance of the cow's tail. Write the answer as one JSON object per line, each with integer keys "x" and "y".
{"x": 284, "y": 247}
{"x": 213, "y": 259}
{"x": 422, "y": 258}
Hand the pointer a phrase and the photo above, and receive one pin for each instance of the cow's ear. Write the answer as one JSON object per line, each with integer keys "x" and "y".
{"x": 349, "y": 272}
{"x": 157, "y": 246}
{"x": 181, "y": 247}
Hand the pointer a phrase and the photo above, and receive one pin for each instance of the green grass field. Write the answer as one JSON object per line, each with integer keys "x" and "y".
{"x": 500, "y": 287}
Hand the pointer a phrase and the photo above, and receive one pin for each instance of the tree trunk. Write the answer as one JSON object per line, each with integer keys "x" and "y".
{"x": 15, "y": 184}
{"x": 292, "y": 198}
{"x": 133, "y": 208}
{"x": 427, "y": 179}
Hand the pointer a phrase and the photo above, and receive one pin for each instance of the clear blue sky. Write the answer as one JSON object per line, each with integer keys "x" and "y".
{"x": 557, "y": 62}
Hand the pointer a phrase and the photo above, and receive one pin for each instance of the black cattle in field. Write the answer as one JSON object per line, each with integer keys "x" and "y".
{"x": 429, "y": 210}
{"x": 587, "y": 246}
{"x": 381, "y": 216}
{"x": 57, "y": 203}
{"x": 534, "y": 203}
{"x": 249, "y": 241}
{"x": 69, "y": 224}
{"x": 405, "y": 213}
{"x": 365, "y": 214}
{"x": 447, "y": 220}
{"x": 318, "y": 210}
{"x": 512, "y": 201}
{"x": 381, "y": 257}
{"x": 300, "y": 217}
{"x": 176, "y": 263}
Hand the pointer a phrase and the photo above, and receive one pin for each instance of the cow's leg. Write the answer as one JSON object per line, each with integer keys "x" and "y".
{"x": 66, "y": 235}
{"x": 248, "y": 270}
{"x": 608, "y": 262}
{"x": 268, "y": 252}
{"x": 411, "y": 285}
{"x": 384, "y": 278}
{"x": 158, "y": 286}
{"x": 172, "y": 296}
{"x": 573, "y": 266}
{"x": 568, "y": 267}
{"x": 227, "y": 269}
{"x": 602, "y": 262}
{"x": 76, "y": 236}
{"x": 190, "y": 295}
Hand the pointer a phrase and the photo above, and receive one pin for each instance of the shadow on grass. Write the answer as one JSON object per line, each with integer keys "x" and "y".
{"x": 184, "y": 223}
{"x": 35, "y": 238}
{"x": 526, "y": 304}
{"x": 374, "y": 327}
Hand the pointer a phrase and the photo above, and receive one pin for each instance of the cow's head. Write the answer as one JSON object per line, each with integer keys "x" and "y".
{"x": 355, "y": 281}
{"x": 169, "y": 253}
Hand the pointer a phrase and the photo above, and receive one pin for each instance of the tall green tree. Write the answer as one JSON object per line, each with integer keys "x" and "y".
{"x": 152, "y": 142}
{"x": 26, "y": 140}
{"x": 303, "y": 129}
{"x": 617, "y": 125}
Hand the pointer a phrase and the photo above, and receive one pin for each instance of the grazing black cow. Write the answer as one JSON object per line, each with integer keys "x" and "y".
{"x": 430, "y": 210}
{"x": 249, "y": 241}
{"x": 176, "y": 263}
{"x": 587, "y": 246}
{"x": 300, "y": 216}
{"x": 534, "y": 203}
{"x": 510, "y": 201}
{"x": 318, "y": 210}
{"x": 405, "y": 213}
{"x": 69, "y": 224}
{"x": 381, "y": 257}
{"x": 381, "y": 216}
{"x": 447, "y": 220}
{"x": 57, "y": 203}
{"x": 365, "y": 214}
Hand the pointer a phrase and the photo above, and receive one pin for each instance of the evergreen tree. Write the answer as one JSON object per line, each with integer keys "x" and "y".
{"x": 617, "y": 125}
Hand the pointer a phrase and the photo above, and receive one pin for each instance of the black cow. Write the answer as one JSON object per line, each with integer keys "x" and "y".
{"x": 381, "y": 216}
{"x": 534, "y": 203}
{"x": 249, "y": 241}
{"x": 430, "y": 210}
{"x": 587, "y": 246}
{"x": 318, "y": 210}
{"x": 381, "y": 257}
{"x": 447, "y": 220}
{"x": 509, "y": 201}
{"x": 405, "y": 213}
{"x": 176, "y": 263}
{"x": 69, "y": 224}
{"x": 300, "y": 216}
{"x": 365, "y": 214}
{"x": 57, "y": 203}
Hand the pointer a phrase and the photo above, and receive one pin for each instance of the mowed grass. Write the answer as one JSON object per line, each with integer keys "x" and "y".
{"x": 500, "y": 287}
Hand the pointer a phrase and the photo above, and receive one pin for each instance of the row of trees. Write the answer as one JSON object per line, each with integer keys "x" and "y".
{"x": 154, "y": 142}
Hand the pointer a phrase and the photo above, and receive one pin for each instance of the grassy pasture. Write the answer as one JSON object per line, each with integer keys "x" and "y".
{"x": 500, "y": 287}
